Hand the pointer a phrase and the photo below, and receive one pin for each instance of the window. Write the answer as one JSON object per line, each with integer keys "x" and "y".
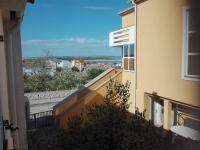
{"x": 128, "y": 57}
{"x": 191, "y": 58}
{"x": 189, "y": 117}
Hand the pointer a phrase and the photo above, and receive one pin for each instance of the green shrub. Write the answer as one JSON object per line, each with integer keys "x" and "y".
{"x": 112, "y": 127}
{"x": 92, "y": 73}
{"x": 47, "y": 139}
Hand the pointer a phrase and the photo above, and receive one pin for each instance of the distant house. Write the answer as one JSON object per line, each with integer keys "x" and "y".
{"x": 60, "y": 63}
{"x": 67, "y": 64}
{"x": 80, "y": 64}
{"x": 34, "y": 66}
{"x": 54, "y": 63}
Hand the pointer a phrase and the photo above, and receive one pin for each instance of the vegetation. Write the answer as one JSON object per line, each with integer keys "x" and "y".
{"x": 107, "y": 127}
{"x": 40, "y": 80}
{"x": 75, "y": 69}
{"x": 92, "y": 73}
{"x": 61, "y": 80}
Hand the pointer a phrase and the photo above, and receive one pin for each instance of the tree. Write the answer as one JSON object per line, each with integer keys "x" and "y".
{"x": 75, "y": 69}
{"x": 37, "y": 82}
{"x": 59, "y": 69}
{"x": 93, "y": 73}
{"x": 61, "y": 80}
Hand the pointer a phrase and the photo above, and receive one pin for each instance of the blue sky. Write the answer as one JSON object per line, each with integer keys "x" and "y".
{"x": 70, "y": 27}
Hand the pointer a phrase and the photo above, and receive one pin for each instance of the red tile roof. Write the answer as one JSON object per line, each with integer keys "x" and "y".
{"x": 81, "y": 61}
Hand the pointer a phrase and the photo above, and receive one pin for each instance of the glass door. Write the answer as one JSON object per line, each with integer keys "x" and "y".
{"x": 156, "y": 111}
{"x": 158, "y": 114}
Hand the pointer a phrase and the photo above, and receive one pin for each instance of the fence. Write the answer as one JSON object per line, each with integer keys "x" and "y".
{"x": 40, "y": 120}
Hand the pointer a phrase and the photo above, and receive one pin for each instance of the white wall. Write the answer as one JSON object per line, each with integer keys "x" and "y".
{"x": 12, "y": 104}
{"x": 15, "y": 86}
{"x": 3, "y": 84}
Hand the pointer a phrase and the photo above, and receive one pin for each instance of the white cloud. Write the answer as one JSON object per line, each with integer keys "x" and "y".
{"x": 59, "y": 43}
{"x": 98, "y": 7}
{"x": 76, "y": 46}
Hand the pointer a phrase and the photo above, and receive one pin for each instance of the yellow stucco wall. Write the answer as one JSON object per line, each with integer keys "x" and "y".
{"x": 128, "y": 20}
{"x": 94, "y": 94}
{"x": 74, "y": 99}
{"x": 159, "y": 53}
{"x": 97, "y": 96}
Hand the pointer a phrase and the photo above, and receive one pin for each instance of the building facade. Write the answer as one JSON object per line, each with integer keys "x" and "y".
{"x": 167, "y": 63}
{"x": 164, "y": 55}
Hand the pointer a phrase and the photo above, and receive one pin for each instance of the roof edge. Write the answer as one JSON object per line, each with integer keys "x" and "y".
{"x": 124, "y": 12}
{"x": 139, "y": 1}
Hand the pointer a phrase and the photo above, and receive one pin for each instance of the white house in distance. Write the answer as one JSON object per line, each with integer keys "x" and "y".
{"x": 55, "y": 63}
{"x": 67, "y": 64}
{"x": 59, "y": 63}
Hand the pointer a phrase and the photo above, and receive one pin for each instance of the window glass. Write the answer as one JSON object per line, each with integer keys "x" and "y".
{"x": 126, "y": 51}
{"x": 192, "y": 21}
{"x": 158, "y": 114}
{"x": 157, "y": 111}
{"x": 131, "y": 50}
{"x": 194, "y": 41}
{"x": 131, "y": 63}
{"x": 194, "y": 65}
{"x": 126, "y": 63}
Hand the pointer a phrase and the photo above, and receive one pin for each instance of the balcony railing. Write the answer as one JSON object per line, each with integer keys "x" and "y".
{"x": 40, "y": 120}
{"x": 122, "y": 37}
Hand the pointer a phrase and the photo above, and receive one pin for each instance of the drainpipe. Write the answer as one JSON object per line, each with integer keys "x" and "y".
{"x": 135, "y": 52}
{"x": 135, "y": 47}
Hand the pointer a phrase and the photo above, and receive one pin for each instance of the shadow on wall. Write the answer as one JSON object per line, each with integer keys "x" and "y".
{"x": 82, "y": 102}
{"x": 92, "y": 93}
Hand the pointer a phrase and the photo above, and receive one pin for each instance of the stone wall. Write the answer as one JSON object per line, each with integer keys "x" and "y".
{"x": 44, "y": 101}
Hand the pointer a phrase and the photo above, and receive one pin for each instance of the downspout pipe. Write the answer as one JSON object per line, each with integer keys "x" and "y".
{"x": 135, "y": 47}
{"x": 135, "y": 53}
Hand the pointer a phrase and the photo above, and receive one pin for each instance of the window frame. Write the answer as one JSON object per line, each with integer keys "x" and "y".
{"x": 186, "y": 53}
{"x": 123, "y": 57}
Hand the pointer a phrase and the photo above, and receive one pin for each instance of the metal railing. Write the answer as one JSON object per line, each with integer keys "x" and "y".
{"x": 40, "y": 120}
{"x": 183, "y": 116}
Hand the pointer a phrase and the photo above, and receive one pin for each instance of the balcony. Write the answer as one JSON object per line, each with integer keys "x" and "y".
{"x": 122, "y": 37}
